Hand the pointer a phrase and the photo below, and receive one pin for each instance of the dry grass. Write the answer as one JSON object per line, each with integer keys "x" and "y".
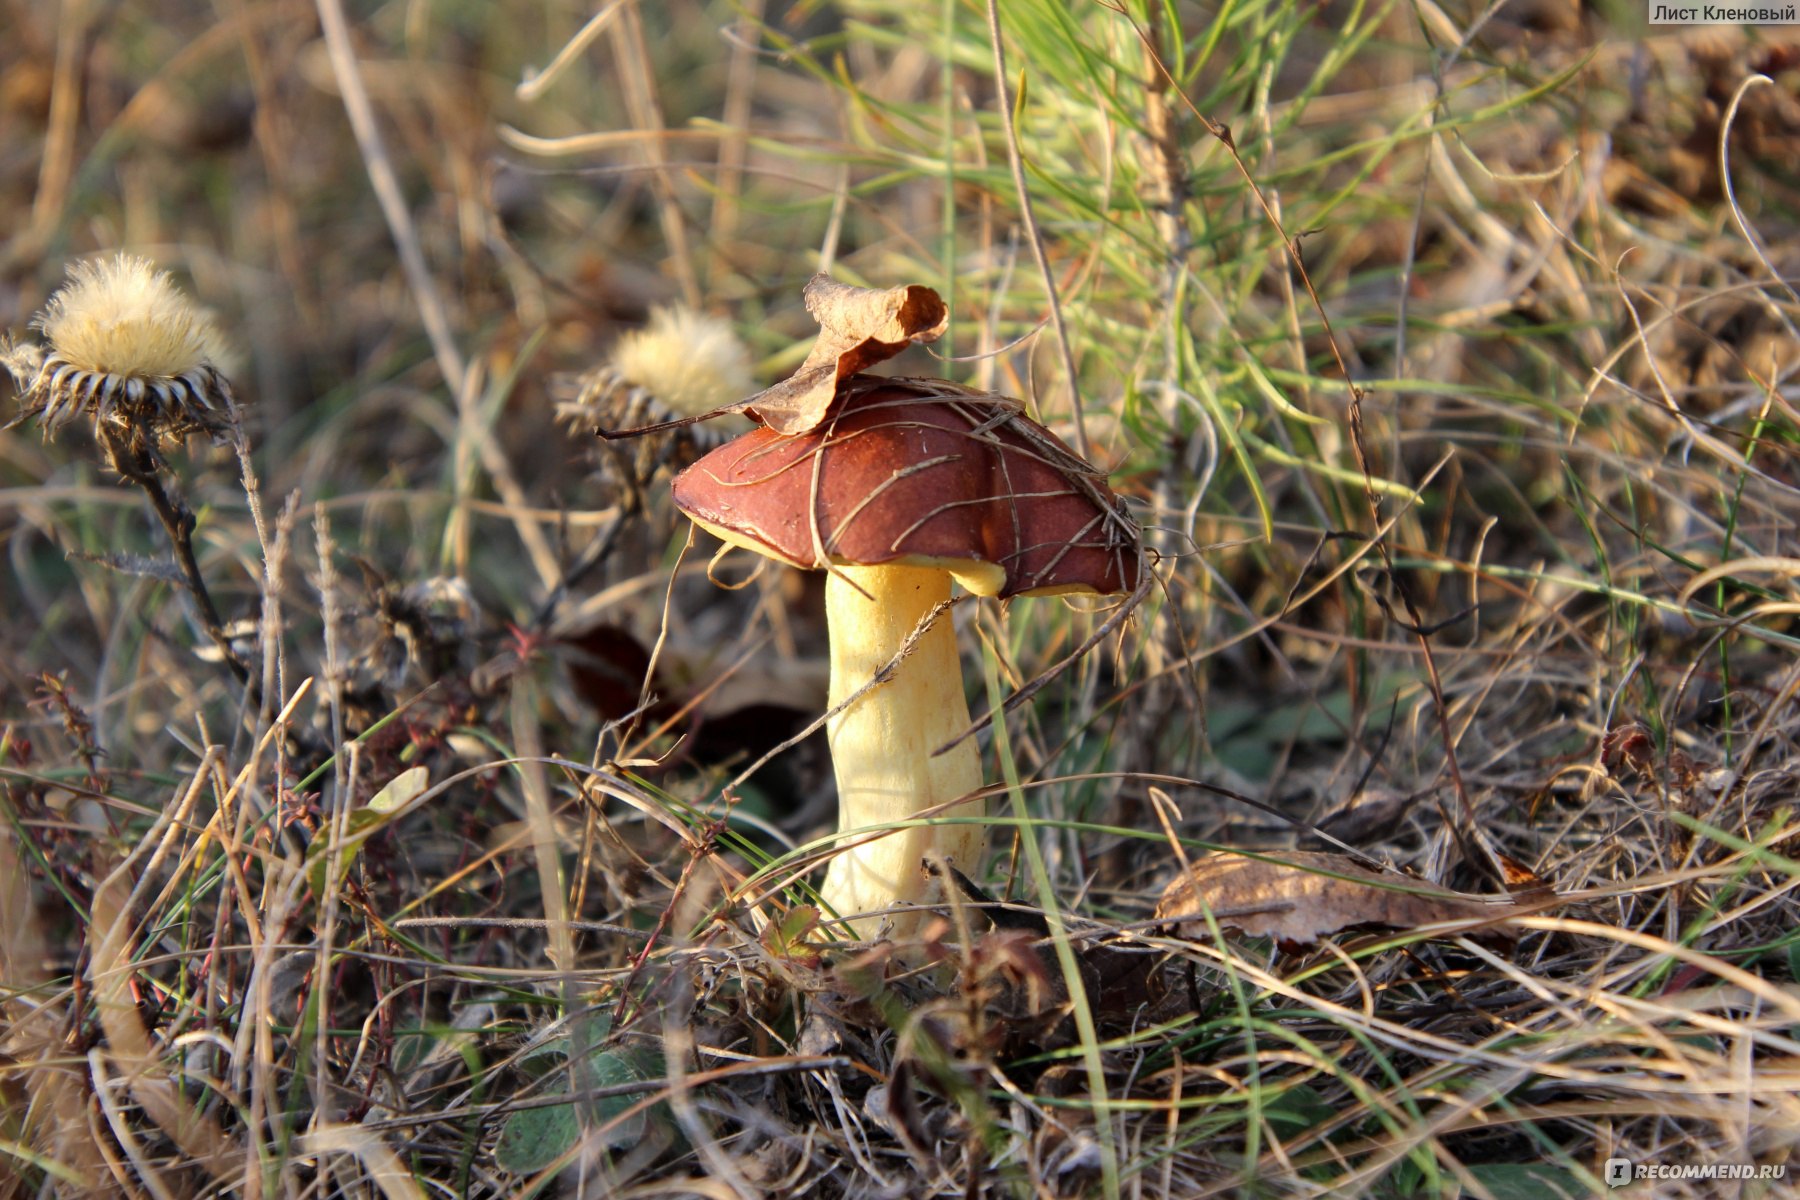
{"x": 462, "y": 844}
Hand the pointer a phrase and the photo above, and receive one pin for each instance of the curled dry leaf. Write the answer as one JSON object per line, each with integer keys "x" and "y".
{"x": 852, "y": 317}
{"x": 1298, "y": 897}
{"x": 858, "y": 327}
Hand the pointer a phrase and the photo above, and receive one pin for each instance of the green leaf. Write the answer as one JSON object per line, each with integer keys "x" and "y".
{"x": 786, "y": 939}
{"x": 1404, "y": 1180}
{"x": 401, "y": 790}
{"x": 362, "y": 824}
{"x": 611, "y": 1069}
{"x": 1297, "y": 1110}
{"x": 533, "y": 1138}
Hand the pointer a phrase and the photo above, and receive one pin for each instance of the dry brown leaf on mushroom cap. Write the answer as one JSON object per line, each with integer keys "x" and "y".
{"x": 1298, "y": 897}
{"x": 858, "y": 328}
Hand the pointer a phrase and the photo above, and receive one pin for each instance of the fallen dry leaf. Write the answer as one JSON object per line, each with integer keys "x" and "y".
{"x": 850, "y": 316}
{"x": 858, "y": 327}
{"x": 1521, "y": 880}
{"x": 1298, "y": 897}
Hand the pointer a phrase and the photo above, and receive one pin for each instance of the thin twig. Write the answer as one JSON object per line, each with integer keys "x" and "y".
{"x": 1031, "y": 229}
{"x": 273, "y": 552}
{"x": 734, "y": 148}
{"x": 632, "y": 54}
{"x": 387, "y": 192}
{"x": 538, "y": 82}
{"x": 595, "y": 553}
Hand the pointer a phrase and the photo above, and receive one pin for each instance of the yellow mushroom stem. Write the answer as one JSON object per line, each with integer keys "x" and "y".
{"x": 881, "y": 745}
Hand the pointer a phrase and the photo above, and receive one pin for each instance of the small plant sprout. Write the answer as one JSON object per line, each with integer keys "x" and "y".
{"x": 908, "y": 484}
{"x": 125, "y": 347}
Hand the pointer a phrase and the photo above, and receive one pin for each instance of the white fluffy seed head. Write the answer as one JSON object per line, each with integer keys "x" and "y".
{"x": 121, "y": 316}
{"x": 688, "y": 360}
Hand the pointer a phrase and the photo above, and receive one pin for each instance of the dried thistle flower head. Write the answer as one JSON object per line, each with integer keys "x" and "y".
{"x": 683, "y": 363}
{"x": 125, "y": 347}
{"x": 688, "y": 360}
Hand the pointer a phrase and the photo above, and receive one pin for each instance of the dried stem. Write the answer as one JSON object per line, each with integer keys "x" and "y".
{"x": 1031, "y": 229}
{"x": 632, "y": 52}
{"x": 386, "y": 182}
{"x": 133, "y": 460}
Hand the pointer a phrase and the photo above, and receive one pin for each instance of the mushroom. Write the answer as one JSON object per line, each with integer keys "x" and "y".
{"x": 908, "y": 485}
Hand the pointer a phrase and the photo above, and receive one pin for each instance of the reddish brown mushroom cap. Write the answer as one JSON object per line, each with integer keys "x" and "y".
{"x": 921, "y": 473}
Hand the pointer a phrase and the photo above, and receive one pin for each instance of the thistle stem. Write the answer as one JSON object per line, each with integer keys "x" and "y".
{"x": 131, "y": 460}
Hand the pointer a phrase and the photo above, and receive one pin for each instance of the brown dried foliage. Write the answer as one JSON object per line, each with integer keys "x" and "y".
{"x": 858, "y": 328}
{"x": 1298, "y": 897}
